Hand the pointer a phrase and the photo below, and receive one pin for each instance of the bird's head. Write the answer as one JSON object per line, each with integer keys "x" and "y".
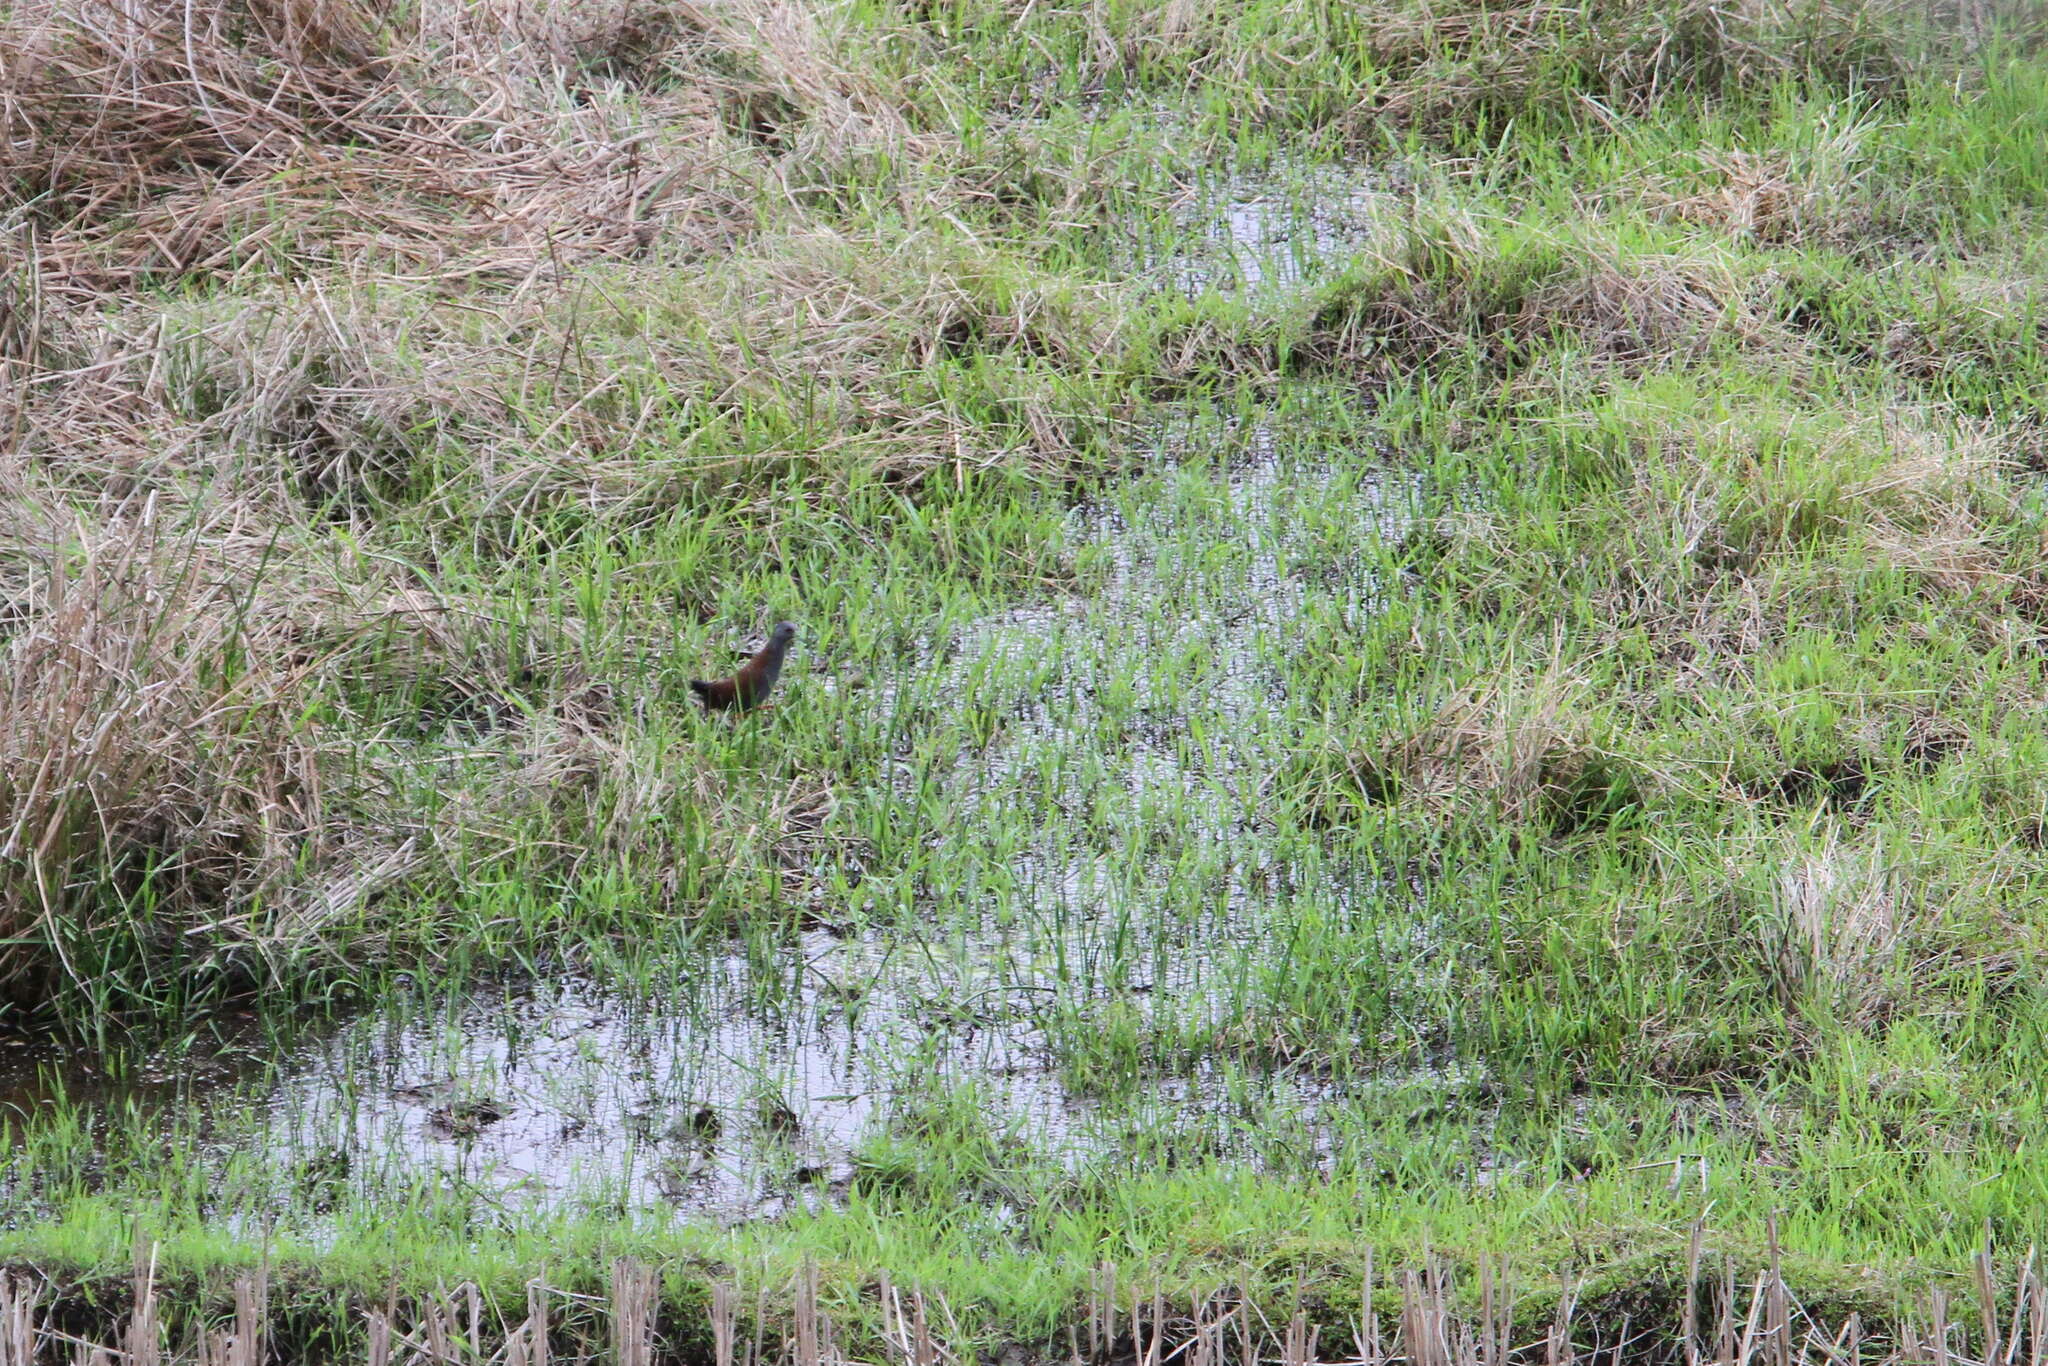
{"x": 784, "y": 632}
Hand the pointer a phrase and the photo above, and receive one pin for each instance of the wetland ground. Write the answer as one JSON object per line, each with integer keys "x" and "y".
{"x": 1420, "y": 672}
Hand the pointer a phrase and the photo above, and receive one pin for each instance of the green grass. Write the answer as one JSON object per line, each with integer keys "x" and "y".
{"x": 1495, "y": 713}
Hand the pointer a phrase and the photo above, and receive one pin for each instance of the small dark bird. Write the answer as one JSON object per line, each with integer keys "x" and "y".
{"x": 750, "y": 687}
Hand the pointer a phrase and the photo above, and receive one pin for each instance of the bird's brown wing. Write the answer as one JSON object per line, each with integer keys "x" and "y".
{"x": 718, "y": 693}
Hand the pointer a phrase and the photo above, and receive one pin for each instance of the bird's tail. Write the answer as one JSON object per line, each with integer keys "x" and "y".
{"x": 701, "y": 688}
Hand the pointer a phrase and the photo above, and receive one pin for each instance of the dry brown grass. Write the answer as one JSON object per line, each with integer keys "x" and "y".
{"x": 1855, "y": 931}
{"x": 1522, "y": 744}
{"x": 222, "y": 740}
{"x": 294, "y": 137}
{"x": 1702, "y": 1310}
{"x": 1932, "y": 509}
{"x": 1445, "y": 287}
{"x": 1453, "y": 63}
{"x": 437, "y": 255}
{"x": 1842, "y": 912}
{"x": 162, "y": 779}
{"x": 1811, "y": 195}
{"x": 1635, "y": 309}
{"x": 634, "y": 388}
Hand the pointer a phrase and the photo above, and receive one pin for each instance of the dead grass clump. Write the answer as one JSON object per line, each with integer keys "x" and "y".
{"x": 1731, "y": 480}
{"x": 799, "y": 91}
{"x": 815, "y": 348}
{"x": 1448, "y": 290}
{"x": 254, "y": 409}
{"x": 1635, "y": 310}
{"x": 1450, "y": 67}
{"x": 1854, "y": 934}
{"x": 339, "y": 392}
{"x": 1812, "y": 194}
{"x": 635, "y": 389}
{"x": 215, "y": 756}
{"x": 160, "y": 143}
{"x": 168, "y": 796}
{"x": 1840, "y": 922}
{"x": 148, "y": 777}
{"x": 1527, "y": 748}
{"x": 1416, "y": 299}
{"x": 1935, "y": 510}
{"x": 297, "y": 136}
{"x": 1751, "y": 196}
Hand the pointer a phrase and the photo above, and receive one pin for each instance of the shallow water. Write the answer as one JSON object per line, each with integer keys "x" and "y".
{"x": 1144, "y": 892}
{"x": 1258, "y": 234}
{"x": 754, "y": 1087}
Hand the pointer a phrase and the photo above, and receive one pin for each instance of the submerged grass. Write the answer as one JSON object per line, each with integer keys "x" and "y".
{"x": 1419, "y": 630}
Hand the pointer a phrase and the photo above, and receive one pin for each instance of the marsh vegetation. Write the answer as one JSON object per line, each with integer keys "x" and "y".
{"x": 1418, "y": 718}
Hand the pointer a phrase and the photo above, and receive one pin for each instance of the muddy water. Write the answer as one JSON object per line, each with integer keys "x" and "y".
{"x": 751, "y": 1086}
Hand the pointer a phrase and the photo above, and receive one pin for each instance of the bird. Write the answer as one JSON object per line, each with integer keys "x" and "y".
{"x": 750, "y": 687}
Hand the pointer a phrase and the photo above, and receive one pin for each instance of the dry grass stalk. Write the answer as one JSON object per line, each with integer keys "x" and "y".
{"x": 1987, "y": 1303}
{"x": 377, "y": 1337}
{"x": 1101, "y": 1310}
{"x": 908, "y": 1335}
{"x": 1757, "y": 1325}
{"x": 1496, "y": 1313}
{"x": 144, "y": 1339}
{"x": 924, "y": 1349}
{"x": 1209, "y": 1319}
{"x": 1777, "y": 1302}
{"x": 245, "y": 1347}
{"x": 1844, "y": 912}
{"x": 724, "y": 1324}
{"x": 1299, "y": 1346}
{"x": 21, "y": 1326}
{"x": 811, "y": 1345}
{"x": 438, "y": 1328}
{"x": 1426, "y": 1321}
{"x": 527, "y": 1344}
{"x": 2030, "y": 1304}
{"x": 1689, "y": 1320}
{"x": 1147, "y": 1352}
{"x": 1559, "y": 1348}
{"x": 635, "y": 1297}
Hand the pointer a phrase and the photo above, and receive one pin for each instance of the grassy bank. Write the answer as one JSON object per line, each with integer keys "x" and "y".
{"x": 1420, "y": 631}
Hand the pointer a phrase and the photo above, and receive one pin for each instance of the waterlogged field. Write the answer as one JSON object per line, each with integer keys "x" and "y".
{"x": 1418, "y": 727}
